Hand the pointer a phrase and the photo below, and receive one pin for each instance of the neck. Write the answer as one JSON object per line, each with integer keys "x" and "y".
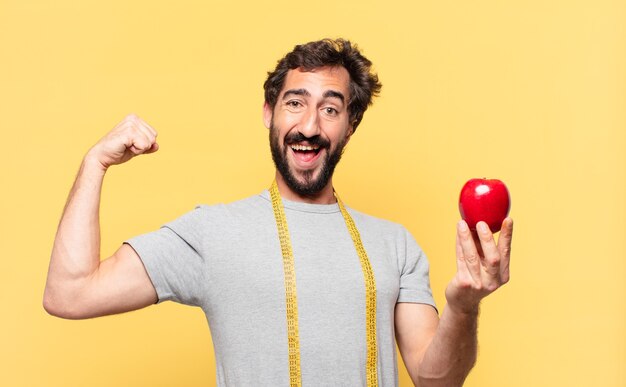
{"x": 325, "y": 196}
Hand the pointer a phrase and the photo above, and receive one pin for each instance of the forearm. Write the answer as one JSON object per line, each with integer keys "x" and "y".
{"x": 443, "y": 353}
{"x": 452, "y": 352}
{"x": 76, "y": 251}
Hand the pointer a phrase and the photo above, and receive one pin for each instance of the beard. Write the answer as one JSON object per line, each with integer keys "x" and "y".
{"x": 311, "y": 181}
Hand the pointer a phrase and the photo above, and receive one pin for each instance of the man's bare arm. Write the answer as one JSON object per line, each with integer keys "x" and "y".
{"x": 448, "y": 346}
{"x": 442, "y": 353}
{"x": 79, "y": 285}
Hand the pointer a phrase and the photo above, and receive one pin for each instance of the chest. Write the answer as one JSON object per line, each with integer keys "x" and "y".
{"x": 247, "y": 274}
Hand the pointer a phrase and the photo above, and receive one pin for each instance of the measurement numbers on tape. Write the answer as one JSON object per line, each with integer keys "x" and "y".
{"x": 291, "y": 299}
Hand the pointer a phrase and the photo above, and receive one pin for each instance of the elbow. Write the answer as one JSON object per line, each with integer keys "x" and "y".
{"x": 449, "y": 377}
{"x": 60, "y": 306}
{"x": 52, "y": 309}
{"x": 52, "y": 305}
{"x": 437, "y": 382}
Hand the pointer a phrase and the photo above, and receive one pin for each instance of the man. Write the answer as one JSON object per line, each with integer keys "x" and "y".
{"x": 297, "y": 289}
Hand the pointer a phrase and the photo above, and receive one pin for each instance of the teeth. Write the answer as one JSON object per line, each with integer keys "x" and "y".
{"x": 304, "y": 147}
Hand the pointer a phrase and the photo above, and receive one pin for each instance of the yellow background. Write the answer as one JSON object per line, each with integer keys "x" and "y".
{"x": 532, "y": 92}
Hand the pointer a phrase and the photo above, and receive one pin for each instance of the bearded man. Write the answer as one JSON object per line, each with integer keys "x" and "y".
{"x": 298, "y": 289}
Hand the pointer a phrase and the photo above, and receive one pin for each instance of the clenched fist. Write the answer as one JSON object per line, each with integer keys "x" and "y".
{"x": 131, "y": 137}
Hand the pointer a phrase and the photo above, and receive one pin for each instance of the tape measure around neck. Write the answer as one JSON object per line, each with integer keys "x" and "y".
{"x": 291, "y": 299}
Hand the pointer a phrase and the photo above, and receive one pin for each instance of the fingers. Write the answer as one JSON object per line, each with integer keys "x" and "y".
{"x": 467, "y": 254}
{"x": 491, "y": 254}
{"x": 481, "y": 256}
{"x": 153, "y": 148}
{"x": 145, "y": 125}
{"x": 504, "y": 248}
{"x": 140, "y": 137}
{"x": 482, "y": 265}
{"x": 131, "y": 137}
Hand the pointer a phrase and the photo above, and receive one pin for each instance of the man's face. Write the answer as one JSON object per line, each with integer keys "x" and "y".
{"x": 309, "y": 127}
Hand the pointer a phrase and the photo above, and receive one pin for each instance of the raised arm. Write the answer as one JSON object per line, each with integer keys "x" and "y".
{"x": 442, "y": 353}
{"x": 79, "y": 285}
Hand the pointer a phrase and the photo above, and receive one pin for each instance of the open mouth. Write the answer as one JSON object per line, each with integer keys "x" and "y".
{"x": 305, "y": 153}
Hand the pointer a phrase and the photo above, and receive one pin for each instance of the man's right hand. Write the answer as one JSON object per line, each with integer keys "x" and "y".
{"x": 130, "y": 138}
{"x": 79, "y": 285}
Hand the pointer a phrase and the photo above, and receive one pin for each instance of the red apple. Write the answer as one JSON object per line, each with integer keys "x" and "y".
{"x": 484, "y": 199}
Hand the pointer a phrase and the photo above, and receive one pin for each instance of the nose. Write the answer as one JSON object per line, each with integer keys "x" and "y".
{"x": 310, "y": 124}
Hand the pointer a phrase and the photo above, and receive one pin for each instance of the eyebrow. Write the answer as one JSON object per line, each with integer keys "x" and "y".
{"x": 334, "y": 94}
{"x": 304, "y": 92}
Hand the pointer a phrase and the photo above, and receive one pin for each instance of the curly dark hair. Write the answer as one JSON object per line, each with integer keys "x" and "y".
{"x": 364, "y": 84}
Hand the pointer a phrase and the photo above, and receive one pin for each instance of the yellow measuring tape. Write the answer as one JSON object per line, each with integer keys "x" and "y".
{"x": 291, "y": 298}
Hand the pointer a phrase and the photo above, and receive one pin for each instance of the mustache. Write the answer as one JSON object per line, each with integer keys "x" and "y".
{"x": 297, "y": 137}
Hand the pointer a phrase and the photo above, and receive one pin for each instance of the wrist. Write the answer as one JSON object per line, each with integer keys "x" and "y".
{"x": 91, "y": 164}
{"x": 464, "y": 311}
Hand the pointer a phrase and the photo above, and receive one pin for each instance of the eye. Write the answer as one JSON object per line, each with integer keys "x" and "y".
{"x": 330, "y": 111}
{"x": 294, "y": 104}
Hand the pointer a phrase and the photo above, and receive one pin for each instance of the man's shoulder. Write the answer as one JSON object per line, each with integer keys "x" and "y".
{"x": 246, "y": 204}
{"x": 222, "y": 212}
{"x": 377, "y": 224}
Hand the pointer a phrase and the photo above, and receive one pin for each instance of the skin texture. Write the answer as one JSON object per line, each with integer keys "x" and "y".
{"x": 441, "y": 353}
{"x": 309, "y": 104}
{"x": 436, "y": 352}
{"x": 79, "y": 285}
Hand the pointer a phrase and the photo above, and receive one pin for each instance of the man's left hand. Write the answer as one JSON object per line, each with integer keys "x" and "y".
{"x": 482, "y": 265}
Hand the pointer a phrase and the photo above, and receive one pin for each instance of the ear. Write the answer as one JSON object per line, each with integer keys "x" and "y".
{"x": 267, "y": 115}
{"x": 350, "y": 132}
